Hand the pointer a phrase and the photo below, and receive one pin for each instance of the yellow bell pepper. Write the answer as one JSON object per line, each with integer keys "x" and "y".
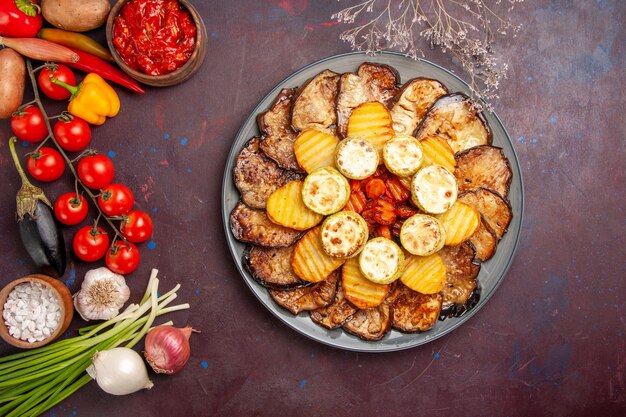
{"x": 93, "y": 100}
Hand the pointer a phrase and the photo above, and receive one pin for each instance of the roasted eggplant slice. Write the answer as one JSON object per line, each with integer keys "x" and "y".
{"x": 484, "y": 241}
{"x": 411, "y": 102}
{"x": 335, "y": 314}
{"x": 372, "y": 82}
{"x": 253, "y": 226}
{"x": 307, "y": 298}
{"x": 412, "y": 311}
{"x": 483, "y": 166}
{"x": 460, "y": 293}
{"x": 454, "y": 118}
{"x": 370, "y": 324}
{"x": 314, "y": 104}
{"x": 495, "y": 210}
{"x": 271, "y": 267}
{"x": 256, "y": 176}
{"x": 278, "y": 136}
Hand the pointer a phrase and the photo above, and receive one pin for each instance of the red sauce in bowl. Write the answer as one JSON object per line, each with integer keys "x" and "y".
{"x": 155, "y": 37}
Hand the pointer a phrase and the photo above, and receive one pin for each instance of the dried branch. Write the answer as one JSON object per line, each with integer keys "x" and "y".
{"x": 465, "y": 28}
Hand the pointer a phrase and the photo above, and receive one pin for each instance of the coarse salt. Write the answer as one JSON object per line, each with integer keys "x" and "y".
{"x": 32, "y": 312}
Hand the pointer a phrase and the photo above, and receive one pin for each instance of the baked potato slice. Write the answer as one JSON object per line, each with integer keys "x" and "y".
{"x": 253, "y": 226}
{"x": 286, "y": 207}
{"x": 371, "y": 121}
{"x": 271, "y": 267}
{"x": 371, "y": 324}
{"x": 413, "y": 311}
{"x": 359, "y": 290}
{"x": 411, "y": 102}
{"x": 335, "y": 314}
{"x": 309, "y": 261}
{"x": 256, "y": 176}
{"x": 483, "y": 167}
{"x": 315, "y": 149}
{"x": 495, "y": 210}
{"x": 307, "y": 298}
{"x": 454, "y": 118}
{"x": 372, "y": 82}
{"x": 314, "y": 103}
{"x": 278, "y": 136}
{"x": 460, "y": 292}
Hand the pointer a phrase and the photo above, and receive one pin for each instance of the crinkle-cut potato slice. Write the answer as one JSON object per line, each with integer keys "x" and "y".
{"x": 309, "y": 261}
{"x": 285, "y": 207}
{"x": 371, "y": 121}
{"x": 424, "y": 274}
{"x": 315, "y": 149}
{"x": 460, "y": 292}
{"x": 278, "y": 136}
{"x": 271, "y": 267}
{"x": 484, "y": 241}
{"x": 454, "y": 118}
{"x": 372, "y": 82}
{"x": 359, "y": 290}
{"x": 256, "y": 176}
{"x": 335, "y": 314}
{"x": 483, "y": 167}
{"x": 307, "y": 298}
{"x": 413, "y": 311}
{"x": 438, "y": 152}
{"x": 411, "y": 102}
{"x": 495, "y": 210}
{"x": 460, "y": 223}
{"x": 253, "y": 226}
{"x": 314, "y": 103}
{"x": 371, "y": 324}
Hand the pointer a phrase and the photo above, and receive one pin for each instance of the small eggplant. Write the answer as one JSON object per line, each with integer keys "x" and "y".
{"x": 39, "y": 231}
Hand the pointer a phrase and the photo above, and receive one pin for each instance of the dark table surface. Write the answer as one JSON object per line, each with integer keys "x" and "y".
{"x": 550, "y": 341}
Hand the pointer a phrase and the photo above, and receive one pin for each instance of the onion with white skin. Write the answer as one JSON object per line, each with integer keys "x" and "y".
{"x": 119, "y": 371}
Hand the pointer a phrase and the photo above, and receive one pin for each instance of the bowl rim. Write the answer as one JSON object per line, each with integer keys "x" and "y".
{"x": 170, "y": 76}
{"x": 61, "y": 291}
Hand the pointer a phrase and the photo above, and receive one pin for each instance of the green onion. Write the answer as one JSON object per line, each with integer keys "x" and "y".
{"x": 33, "y": 381}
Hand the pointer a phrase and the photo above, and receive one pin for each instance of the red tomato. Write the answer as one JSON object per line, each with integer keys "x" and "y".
{"x": 90, "y": 244}
{"x": 116, "y": 199}
{"x": 29, "y": 125}
{"x": 122, "y": 258}
{"x": 73, "y": 134}
{"x": 136, "y": 226}
{"x": 71, "y": 208}
{"x": 61, "y": 73}
{"x": 95, "y": 171}
{"x": 15, "y": 22}
{"x": 45, "y": 165}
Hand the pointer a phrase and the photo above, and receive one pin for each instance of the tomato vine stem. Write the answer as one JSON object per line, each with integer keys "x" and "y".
{"x": 68, "y": 161}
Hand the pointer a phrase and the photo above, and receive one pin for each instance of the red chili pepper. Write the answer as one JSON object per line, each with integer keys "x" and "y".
{"x": 90, "y": 63}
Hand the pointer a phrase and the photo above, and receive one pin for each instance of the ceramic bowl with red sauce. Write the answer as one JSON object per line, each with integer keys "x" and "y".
{"x": 157, "y": 42}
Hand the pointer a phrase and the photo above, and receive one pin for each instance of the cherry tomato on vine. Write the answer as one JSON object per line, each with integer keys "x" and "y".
{"x": 71, "y": 208}
{"x": 116, "y": 199}
{"x": 60, "y": 72}
{"x": 136, "y": 226}
{"x": 90, "y": 244}
{"x": 29, "y": 125}
{"x": 72, "y": 133}
{"x": 95, "y": 171}
{"x": 122, "y": 258}
{"x": 46, "y": 164}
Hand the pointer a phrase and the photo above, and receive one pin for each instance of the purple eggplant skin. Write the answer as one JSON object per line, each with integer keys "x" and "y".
{"x": 43, "y": 240}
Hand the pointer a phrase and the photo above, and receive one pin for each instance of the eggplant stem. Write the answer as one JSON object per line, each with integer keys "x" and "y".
{"x": 16, "y": 160}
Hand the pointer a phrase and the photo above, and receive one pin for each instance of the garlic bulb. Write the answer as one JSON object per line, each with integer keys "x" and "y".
{"x": 119, "y": 371}
{"x": 101, "y": 295}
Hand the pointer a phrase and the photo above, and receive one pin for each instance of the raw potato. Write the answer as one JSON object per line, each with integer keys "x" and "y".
{"x": 76, "y": 15}
{"x": 12, "y": 78}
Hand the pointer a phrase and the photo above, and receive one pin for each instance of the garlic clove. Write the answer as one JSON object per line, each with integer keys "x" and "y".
{"x": 101, "y": 295}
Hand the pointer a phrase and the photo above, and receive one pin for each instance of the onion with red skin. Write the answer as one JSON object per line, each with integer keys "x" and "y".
{"x": 167, "y": 348}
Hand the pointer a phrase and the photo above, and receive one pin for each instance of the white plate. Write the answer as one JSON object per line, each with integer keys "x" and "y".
{"x": 491, "y": 273}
